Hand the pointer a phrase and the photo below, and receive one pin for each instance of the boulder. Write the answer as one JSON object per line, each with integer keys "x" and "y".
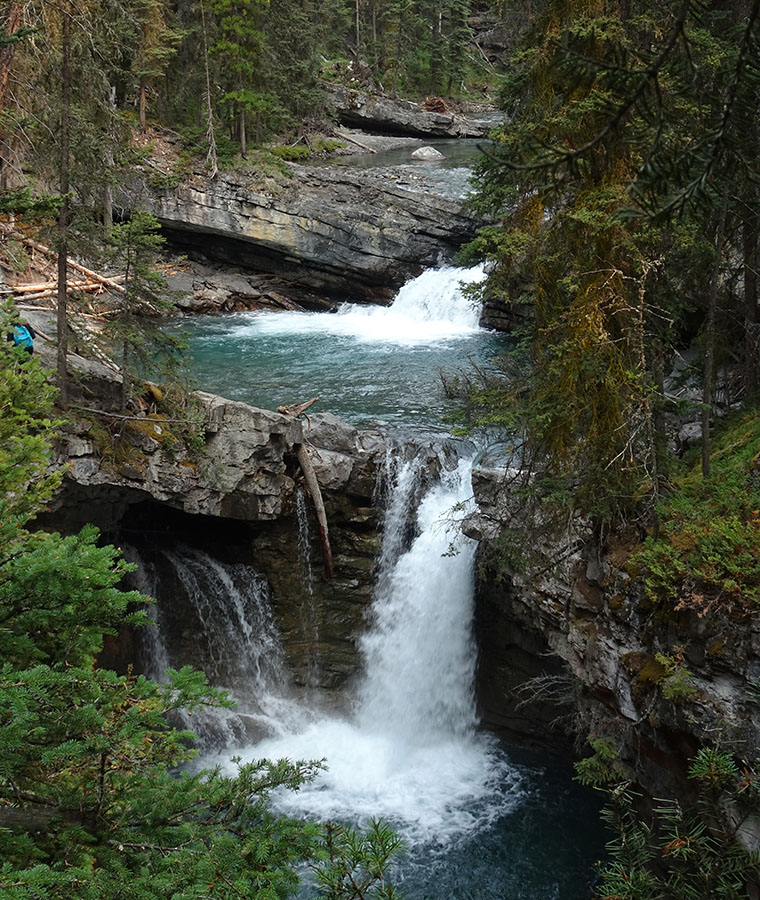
{"x": 427, "y": 153}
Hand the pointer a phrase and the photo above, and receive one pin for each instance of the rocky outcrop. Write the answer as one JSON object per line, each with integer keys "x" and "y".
{"x": 237, "y": 500}
{"x": 201, "y": 288}
{"x": 340, "y": 230}
{"x": 376, "y": 112}
{"x": 571, "y": 637}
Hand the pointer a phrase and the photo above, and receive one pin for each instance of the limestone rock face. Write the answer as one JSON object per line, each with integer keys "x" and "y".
{"x": 341, "y": 230}
{"x": 361, "y": 109}
{"x": 240, "y": 496}
{"x": 570, "y": 636}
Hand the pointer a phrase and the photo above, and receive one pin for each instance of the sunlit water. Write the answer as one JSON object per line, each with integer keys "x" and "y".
{"x": 368, "y": 364}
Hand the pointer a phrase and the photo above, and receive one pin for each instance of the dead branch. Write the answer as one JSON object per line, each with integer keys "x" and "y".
{"x": 347, "y": 137}
{"x": 296, "y": 409}
{"x": 312, "y": 486}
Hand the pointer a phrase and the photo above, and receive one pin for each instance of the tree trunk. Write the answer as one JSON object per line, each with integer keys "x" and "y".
{"x": 750, "y": 261}
{"x": 709, "y": 363}
{"x": 11, "y": 25}
{"x": 312, "y": 485}
{"x": 211, "y": 158}
{"x": 108, "y": 186}
{"x": 143, "y": 104}
{"x": 63, "y": 215}
{"x": 241, "y": 122}
{"x": 124, "y": 376}
{"x": 358, "y": 33}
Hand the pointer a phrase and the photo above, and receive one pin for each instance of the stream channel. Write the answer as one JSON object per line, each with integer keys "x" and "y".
{"x": 480, "y": 819}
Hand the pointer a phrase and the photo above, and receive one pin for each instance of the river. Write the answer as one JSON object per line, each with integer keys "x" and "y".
{"x": 479, "y": 819}
{"x": 371, "y": 365}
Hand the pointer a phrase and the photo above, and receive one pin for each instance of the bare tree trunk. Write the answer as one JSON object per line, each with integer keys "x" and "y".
{"x": 358, "y": 32}
{"x": 211, "y": 158}
{"x": 63, "y": 215}
{"x": 108, "y": 187}
{"x": 124, "y": 376}
{"x": 241, "y": 122}
{"x": 12, "y": 24}
{"x": 750, "y": 262}
{"x": 143, "y": 104}
{"x": 709, "y": 363}
{"x": 312, "y": 485}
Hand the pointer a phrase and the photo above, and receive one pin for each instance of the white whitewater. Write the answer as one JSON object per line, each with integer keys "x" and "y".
{"x": 410, "y": 753}
{"x": 429, "y": 308}
{"x": 239, "y": 641}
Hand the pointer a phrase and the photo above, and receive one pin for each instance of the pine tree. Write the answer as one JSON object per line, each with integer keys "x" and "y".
{"x": 141, "y": 344}
{"x": 239, "y": 48}
{"x": 95, "y": 801}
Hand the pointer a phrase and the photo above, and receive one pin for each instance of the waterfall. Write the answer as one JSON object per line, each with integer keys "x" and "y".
{"x": 410, "y": 753}
{"x": 429, "y": 308}
{"x": 370, "y": 364}
{"x": 233, "y": 634}
{"x": 309, "y": 618}
{"x": 419, "y": 653}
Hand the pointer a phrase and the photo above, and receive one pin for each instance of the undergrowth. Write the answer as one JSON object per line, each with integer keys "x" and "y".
{"x": 708, "y": 551}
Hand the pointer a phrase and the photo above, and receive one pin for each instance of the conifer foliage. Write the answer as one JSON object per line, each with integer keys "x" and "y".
{"x": 95, "y": 802}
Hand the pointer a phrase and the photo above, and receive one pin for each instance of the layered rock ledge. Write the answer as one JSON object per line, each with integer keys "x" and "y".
{"x": 376, "y": 112}
{"x": 353, "y": 232}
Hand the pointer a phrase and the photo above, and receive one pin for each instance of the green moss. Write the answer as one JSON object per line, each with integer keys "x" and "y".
{"x": 708, "y": 551}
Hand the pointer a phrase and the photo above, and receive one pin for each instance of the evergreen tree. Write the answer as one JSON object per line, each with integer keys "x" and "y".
{"x": 239, "y": 48}
{"x": 92, "y": 804}
{"x": 132, "y": 329}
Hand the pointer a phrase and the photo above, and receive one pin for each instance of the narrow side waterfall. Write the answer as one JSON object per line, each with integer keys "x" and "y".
{"x": 234, "y": 636}
{"x": 410, "y": 753}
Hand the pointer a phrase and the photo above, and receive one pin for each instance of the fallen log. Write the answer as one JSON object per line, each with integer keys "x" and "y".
{"x": 36, "y": 245}
{"x": 53, "y": 286}
{"x": 312, "y": 484}
{"x": 347, "y": 137}
{"x": 296, "y": 409}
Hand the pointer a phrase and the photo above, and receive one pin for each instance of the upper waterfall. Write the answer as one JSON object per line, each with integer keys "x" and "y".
{"x": 367, "y": 364}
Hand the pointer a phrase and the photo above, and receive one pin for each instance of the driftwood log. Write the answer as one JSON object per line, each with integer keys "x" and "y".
{"x": 312, "y": 485}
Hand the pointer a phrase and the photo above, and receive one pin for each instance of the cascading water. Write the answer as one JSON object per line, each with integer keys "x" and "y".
{"x": 410, "y": 753}
{"x": 368, "y": 364}
{"x": 237, "y": 640}
{"x": 477, "y": 824}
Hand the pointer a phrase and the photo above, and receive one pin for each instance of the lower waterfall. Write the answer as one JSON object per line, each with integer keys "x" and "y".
{"x": 477, "y": 821}
{"x": 409, "y": 753}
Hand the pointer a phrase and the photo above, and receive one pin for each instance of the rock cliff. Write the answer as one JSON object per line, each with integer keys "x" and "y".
{"x": 354, "y": 232}
{"x": 570, "y": 638}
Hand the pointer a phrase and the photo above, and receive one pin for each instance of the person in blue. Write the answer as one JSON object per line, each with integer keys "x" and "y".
{"x": 23, "y": 336}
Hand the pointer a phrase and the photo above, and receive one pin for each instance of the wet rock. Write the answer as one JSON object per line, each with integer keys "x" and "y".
{"x": 427, "y": 153}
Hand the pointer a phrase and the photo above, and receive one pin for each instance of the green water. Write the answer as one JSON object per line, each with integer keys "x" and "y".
{"x": 368, "y": 365}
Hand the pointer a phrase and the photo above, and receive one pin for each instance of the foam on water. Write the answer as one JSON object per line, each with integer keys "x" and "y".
{"x": 429, "y": 308}
{"x": 410, "y": 754}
